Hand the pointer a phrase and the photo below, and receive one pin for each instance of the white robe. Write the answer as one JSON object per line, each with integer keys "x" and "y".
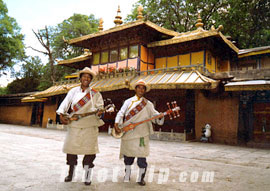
{"x": 82, "y": 135}
{"x": 130, "y": 142}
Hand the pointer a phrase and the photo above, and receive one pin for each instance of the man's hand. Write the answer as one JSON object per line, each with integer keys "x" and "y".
{"x": 99, "y": 113}
{"x": 117, "y": 129}
{"x": 63, "y": 119}
{"x": 161, "y": 116}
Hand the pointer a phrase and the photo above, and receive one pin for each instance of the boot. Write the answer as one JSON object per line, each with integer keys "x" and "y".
{"x": 127, "y": 173}
{"x": 142, "y": 172}
{"x": 88, "y": 172}
{"x": 70, "y": 173}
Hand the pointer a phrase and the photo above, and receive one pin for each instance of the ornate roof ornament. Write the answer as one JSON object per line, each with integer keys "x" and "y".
{"x": 220, "y": 28}
{"x": 118, "y": 19}
{"x": 199, "y": 23}
{"x": 140, "y": 15}
{"x": 100, "y": 27}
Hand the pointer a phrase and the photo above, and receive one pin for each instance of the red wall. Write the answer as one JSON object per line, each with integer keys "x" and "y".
{"x": 13, "y": 114}
{"x": 221, "y": 112}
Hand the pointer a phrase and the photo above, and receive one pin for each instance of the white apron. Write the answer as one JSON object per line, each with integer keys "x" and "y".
{"x": 130, "y": 142}
{"x": 82, "y": 135}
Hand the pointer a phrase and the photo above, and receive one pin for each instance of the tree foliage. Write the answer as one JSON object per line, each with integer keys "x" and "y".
{"x": 51, "y": 38}
{"x": 28, "y": 79}
{"x": 45, "y": 38}
{"x": 73, "y": 27}
{"x": 11, "y": 40}
{"x": 246, "y": 21}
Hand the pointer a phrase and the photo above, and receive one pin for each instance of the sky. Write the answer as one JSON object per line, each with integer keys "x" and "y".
{"x": 36, "y": 14}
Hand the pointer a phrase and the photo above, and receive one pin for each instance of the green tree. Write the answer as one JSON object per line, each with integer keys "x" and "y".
{"x": 55, "y": 47}
{"x": 3, "y": 90}
{"x": 28, "y": 79}
{"x": 247, "y": 22}
{"x": 73, "y": 27}
{"x": 11, "y": 40}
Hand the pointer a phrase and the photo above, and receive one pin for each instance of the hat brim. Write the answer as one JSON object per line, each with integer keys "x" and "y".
{"x": 146, "y": 86}
{"x": 87, "y": 72}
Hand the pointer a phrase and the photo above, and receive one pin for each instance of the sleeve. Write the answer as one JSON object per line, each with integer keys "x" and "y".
{"x": 63, "y": 108}
{"x": 155, "y": 113}
{"x": 99, "y": 104}
{"x": 121, "y": 113}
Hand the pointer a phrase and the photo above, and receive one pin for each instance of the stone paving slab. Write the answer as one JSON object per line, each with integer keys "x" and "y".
{"x": 32, "y": 159}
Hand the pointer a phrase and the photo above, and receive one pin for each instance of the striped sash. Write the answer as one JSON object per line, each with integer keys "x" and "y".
{"x": 136, "y": 110}
{"x": 84, "y": 100}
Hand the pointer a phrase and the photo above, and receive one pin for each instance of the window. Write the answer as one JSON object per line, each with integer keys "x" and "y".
{"x": 113, "y": 55}
{"x": 104, "y": 57}
{"x": 96, "y": 57}
{"x": 123, "y": 53}
{"x": 209, "y": 59}
{"x": 133, "y": 51}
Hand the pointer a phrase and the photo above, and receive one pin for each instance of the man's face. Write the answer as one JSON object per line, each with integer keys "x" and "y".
{"x": 140, "y": 90}
{"x": 86, "y": 79}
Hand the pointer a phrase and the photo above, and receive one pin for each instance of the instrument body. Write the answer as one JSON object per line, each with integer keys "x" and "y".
{"x": 75, "y": 117}
{"x": 174, "y": 111}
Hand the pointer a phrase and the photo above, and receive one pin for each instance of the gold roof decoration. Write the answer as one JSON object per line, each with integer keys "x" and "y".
{"x": 100, "y": 26}
{"x": 196, "y": 34}
{"x": 140, "y": 15}
{"x": 118, "y": 19}
{"x": 199, "y": 23}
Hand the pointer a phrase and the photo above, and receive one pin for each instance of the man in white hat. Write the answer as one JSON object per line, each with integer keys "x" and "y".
{"x": 135, "y": 143}
{"x": 82, "y": 135}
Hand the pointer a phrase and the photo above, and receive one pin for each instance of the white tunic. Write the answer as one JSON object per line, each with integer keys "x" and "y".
{"x": 130, "y": 142}
{"x": 82, "y": 135}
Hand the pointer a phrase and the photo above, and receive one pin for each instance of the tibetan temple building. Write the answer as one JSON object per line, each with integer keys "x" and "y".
{"x": 210, "y": 78}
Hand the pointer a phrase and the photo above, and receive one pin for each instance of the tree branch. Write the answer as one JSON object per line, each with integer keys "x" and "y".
{"x": 37, "y": 50}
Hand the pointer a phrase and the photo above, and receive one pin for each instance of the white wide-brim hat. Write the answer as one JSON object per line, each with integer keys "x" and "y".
{"x": 87, "y": 70}
{"x": 142, "y": 82}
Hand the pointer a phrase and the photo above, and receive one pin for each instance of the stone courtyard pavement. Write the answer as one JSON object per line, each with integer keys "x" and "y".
{"x": 31, "y": 159}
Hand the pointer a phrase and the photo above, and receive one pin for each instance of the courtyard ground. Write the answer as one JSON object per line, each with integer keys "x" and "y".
{"x": 32, "y": 159}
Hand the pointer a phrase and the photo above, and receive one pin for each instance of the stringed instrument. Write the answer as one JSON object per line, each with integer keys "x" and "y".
{"x": 75, "y": 117}
{"x": 173, "y": 112}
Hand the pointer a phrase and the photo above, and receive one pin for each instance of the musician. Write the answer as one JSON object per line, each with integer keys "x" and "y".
{"x": 82, "y": 135}
{"x": 135, "y": 143}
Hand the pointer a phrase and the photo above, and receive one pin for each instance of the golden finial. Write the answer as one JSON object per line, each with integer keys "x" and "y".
{"x": 86, "y": 51}
{"x": 118, "y": 18}
{"x": 140, "y": 15}
{"x": 100, "y": 26}
{"x": 220, "y": 28}
{"x": 199, "y": 23}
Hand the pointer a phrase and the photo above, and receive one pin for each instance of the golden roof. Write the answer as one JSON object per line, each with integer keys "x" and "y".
{"x": 251, "y": 85}
{"x": 174, "y": 79}
{"x": 122, "y": 27}
{"x": 86, "y": 56}
{"x": 254, "y": 51}
{"x": 33, "y": 99}
{"x": 56, "y": 90}
{"x": 177, "y": 80}
{"x": 199, "y": 33}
